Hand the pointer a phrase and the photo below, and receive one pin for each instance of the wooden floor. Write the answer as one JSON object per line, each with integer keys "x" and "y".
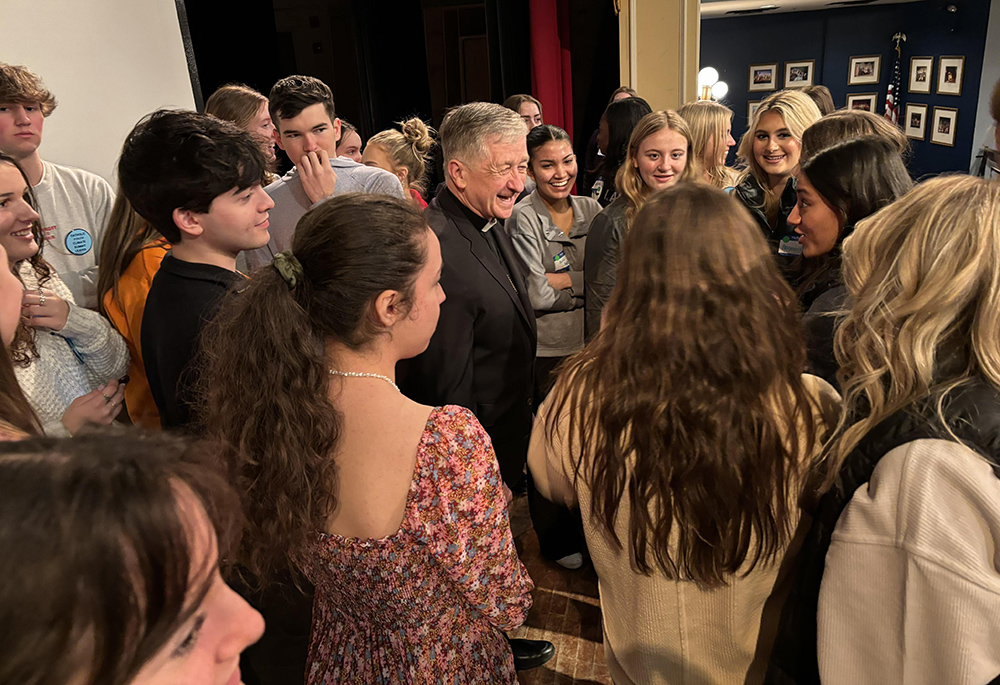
{"x": 566, "y": 612}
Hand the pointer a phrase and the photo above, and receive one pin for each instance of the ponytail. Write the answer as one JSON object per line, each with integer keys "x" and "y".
{"x": 263, "y": 394}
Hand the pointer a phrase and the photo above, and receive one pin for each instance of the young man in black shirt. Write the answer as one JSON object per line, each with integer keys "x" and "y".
{"x": 197, "y": 180}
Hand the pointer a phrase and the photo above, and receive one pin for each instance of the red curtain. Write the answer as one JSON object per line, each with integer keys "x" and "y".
{"x": 551, "y": 67}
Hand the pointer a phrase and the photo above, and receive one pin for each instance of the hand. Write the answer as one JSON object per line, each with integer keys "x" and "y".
{"x": 560, "y": 281}
{"x": 318, "y": 178}
{"x": 44, "y": 309}
{"x": 97, "y": 408}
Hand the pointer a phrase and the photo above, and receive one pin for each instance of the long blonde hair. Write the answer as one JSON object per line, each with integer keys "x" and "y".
{"x": 629, "y": 181}
{"x": 799, "y": 112}
{"x": 924, "y": 275}
{"x": 707, "y": 122}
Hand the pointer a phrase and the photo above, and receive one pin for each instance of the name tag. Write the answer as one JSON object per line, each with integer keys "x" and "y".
{"x": 789, "y": 246}
{"x": 560, "y": 263}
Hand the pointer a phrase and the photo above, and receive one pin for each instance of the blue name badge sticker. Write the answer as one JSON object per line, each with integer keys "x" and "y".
{"x": 789, "y": 246}
{"x": 79, "y": 242}
{"x": 560, "y": 263}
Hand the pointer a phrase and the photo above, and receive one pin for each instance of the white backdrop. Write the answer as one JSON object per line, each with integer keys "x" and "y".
{"x": 108, "y": 62}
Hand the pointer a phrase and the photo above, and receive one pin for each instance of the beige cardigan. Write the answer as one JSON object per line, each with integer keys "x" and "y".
{"x": 911, "y": 590}
{"x": 658, "y": 630}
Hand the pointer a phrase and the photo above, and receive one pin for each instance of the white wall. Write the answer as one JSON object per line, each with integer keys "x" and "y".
{"x": 991, "y": 73}
{"x": 108, "y": 62}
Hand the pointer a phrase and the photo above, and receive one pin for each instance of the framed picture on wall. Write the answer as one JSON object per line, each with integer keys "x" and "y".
{"x": 866, "y": 102}
{"x": 915, "y": 121}
{"x": 799, "y": 74}
{"x": 943, "y": 126}
{"x": 763, "y": 77}
{"x": 751, "y": 109}
{"x": 950, "y": 72}
{"x": 865, "y": 70}
{"x": 920, "y": 74}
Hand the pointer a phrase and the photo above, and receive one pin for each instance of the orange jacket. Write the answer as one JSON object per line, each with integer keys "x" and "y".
{"x": 133, "y": 286}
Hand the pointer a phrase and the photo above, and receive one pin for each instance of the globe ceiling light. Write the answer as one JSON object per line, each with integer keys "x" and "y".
{"x": 708, "y": 76}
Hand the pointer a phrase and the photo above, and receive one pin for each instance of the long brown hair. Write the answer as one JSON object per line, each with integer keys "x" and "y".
{"x": 263, "y": 398}
{"x": 690, "y": 398}
{"x": 125, "y": 236}
{"x": 22, "y": 349}
{"x": 95, "y": 552}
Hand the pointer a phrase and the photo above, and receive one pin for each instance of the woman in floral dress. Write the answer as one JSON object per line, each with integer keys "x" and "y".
{"x": 394, "y": 511}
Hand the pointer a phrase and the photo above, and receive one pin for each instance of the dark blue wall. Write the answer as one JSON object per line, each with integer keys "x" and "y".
{"x": 832, "y": 37}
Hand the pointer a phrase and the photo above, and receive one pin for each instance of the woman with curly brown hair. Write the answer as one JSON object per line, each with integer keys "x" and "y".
{"x": 684, "y": 431}
{"x": 393, "y": 510}
{"x": 67, "y": 359}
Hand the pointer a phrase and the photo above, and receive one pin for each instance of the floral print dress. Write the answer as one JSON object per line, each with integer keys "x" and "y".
{"x": 427, "y": 604}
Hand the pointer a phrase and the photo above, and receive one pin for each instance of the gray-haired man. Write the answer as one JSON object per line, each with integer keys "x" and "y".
{"x": 483, "y": 351}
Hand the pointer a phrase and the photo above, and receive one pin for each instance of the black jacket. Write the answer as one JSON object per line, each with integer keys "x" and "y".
{"x": 483, "y": 351}
{"x": 972, "y": 412}
{"x": 182, "y": 299}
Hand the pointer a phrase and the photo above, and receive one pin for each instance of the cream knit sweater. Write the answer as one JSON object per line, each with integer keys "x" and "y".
{"x": 58, "y": 376}
{"x": 911, "y": 589}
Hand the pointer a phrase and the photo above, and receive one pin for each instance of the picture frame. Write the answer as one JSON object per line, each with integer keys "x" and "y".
{"x": 915, "y": 121}
{"x": 867, "y": 102}
{"x": 951, "y": 70}
{"x": 800, "y": 74}
{"x": 921, "y": 73}
{"x": 864, "y": 70}
{"x": 752, "y": 106}
{"x": 943, "y": 126}
{"x": 763, "y": 77}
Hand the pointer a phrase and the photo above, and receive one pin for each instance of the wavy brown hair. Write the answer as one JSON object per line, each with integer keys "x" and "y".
{"x": 691, "y": 398}
{"x": 924, "y": 277}
{"x": 264, "y": 390}
{"x": 23, "y": 349}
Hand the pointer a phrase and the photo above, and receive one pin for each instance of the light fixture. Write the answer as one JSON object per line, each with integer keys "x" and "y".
{"x": 710, "y": 86}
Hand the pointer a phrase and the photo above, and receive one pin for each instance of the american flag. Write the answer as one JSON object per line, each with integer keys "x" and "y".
{"x": 892, "y": 97}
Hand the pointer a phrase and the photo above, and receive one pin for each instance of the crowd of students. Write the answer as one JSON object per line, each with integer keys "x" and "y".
{"x": 764, "y": 402}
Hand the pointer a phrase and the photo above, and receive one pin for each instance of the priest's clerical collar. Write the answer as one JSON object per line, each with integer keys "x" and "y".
{"x": 479, "y": 222}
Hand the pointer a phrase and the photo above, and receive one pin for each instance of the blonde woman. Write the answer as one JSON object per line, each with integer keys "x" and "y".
{"x": 403, "y": 153}
{"x": 711, "y": 126}
{"x": 899, "y": 572}
{"x": 770, "y": 149}
{"x": 660, "y": 153}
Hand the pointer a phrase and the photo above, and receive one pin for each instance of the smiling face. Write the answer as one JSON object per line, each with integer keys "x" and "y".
{"x": 16, "y": 216}
{"x": 531, "y": 114}
{"x": 235, "y": 221}
{"x": 662, "y": 158}
{"x": 350, "y": 146}
{"x": 775, "y": 149}
{"x": 206, "y": 648}
{"x": 20, "y": 128}
{"x": 263, "y": 129}
{"x": 554, "y": 168}
{"x": 489, "y": 185}
{"x": 308, "y": 131}
{"x": 818, "y": 223}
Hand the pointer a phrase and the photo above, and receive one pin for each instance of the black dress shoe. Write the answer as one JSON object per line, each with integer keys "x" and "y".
{"x": 530, "y": 654}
